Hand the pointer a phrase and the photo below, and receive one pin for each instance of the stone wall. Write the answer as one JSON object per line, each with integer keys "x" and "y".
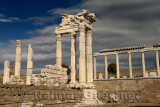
{"x": 13, "y": 95}
{"x": 129, "y": 90}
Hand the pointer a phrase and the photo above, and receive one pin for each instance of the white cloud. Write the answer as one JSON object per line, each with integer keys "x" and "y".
{"x": 10, "y": 19}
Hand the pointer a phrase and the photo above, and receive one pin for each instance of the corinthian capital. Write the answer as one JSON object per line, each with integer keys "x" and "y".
{"x": 18, "y": 43}
{"x": 73, "y": 35}
{"x": 59, "y": 37}
{"x": 82, "y": 28}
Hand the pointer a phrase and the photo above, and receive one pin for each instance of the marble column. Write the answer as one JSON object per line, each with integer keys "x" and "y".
{"x": 143, "y": 65}
{"x": 157, "y": 63}
{"x": 95, "y": 76}
{"x": 6, "y": 72}
{"x": 29, "y": 65}
{"x": 89, "y": 56}
{"x": 18, "y": 58}
{"x": 106, "y": 67}
{"x": 59, "y": 50}
{"x": 117, "y": 65}
{"x": 73, "y": 57}
{"x": 130, "y": 65}
{"x": 82, "y": 63}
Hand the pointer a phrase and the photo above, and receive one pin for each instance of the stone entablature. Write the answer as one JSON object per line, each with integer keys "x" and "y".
{"x": 73, "y": 23}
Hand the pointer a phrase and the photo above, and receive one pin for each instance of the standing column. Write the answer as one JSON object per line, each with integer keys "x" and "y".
{"x": 6, "y": 72}
{"x": 117, "y": 65}
{"x": 89, "y": 56}
{"x": 106, "y": 67}
{"x": 130, "y": 65}
{"x": 82, "y": 65}
{"x": 59, "y": 50}
{"x": 95, "y": 76}
{"x": 18, "y": 58}
{"x": 73, "y": 57}
{"x": 143, "y": 65}
{"x": 29, "y": 65}
{"x": 157, "y": 63}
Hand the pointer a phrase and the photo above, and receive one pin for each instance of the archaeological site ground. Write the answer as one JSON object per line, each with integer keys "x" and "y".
{"x": 85, "y": 87}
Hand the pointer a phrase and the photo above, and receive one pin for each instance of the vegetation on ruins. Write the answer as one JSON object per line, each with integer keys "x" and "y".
{"x": 68, "y": 69}
{"x": 112, "y": 68}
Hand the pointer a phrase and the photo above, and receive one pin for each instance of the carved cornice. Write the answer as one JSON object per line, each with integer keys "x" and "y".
{"x": 58, "y": 37}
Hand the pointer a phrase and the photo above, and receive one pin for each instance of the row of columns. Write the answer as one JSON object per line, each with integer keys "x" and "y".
{"x": 130, "y": 65}
{"x": 83, "y": 55}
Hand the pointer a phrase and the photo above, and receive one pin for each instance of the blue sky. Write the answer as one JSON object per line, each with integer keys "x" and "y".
{"x": 121, "y": 23}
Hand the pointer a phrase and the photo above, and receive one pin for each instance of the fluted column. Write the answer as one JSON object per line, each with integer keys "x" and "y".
{"x": 117, "y": 65}
{"x": 29, "y": 65}
{"x": 6, "y": 72}
{"x": 18, "y": 58}
{"x": 89, "y": 56}
{"x": 130, "y": 65}
{"x": 73, "y": 57}
{"x": 157, "y": 63}
{"x": 95, "y": 76}
{"x": 82, "y": 65}
{"x": 106, "y": 67}
{"x": 143, "y": 65}
{"x": 59, "y": 49}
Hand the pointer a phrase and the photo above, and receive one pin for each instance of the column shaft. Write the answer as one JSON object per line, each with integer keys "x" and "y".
{"x": 82, "y": 64}
{"x": 73, "y": 57}
{"x": 143, "y": 65}
{"x": 29, "y": 65}
{"x": 130, "y": 65}
{"x": 95, "y": 76}
{"x": 106, "y": 67}
{"x": 117, "y": 65}
{"x": 59, "y": 50}
{"x": 89, "y": 57}
{"x": 18, "y": 58}
{"x": 157, "y": 63}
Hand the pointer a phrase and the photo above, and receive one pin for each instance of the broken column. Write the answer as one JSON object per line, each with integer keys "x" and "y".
{"x": 59, "y": 50}
{"x": 73, "y": 57}
{"x": 18, "y": 58}
{"x": 29, "y": 65}
{"x": 82, "y": 64}
{"x": 89, "y": 57}
{"x": 6, "y": 72}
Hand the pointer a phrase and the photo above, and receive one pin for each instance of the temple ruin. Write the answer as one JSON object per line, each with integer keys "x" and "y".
{"x": 87, "y": 89}
{"x": 128, "y": 50}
